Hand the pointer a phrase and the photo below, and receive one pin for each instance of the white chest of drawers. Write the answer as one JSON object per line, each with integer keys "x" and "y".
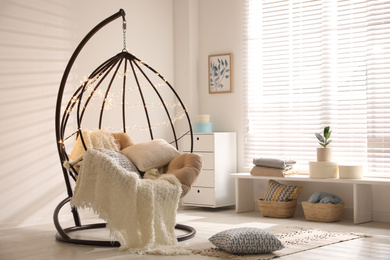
{"x": 214, "y": 187}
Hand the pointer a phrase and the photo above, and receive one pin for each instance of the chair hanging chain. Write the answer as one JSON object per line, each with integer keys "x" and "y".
{"x": 124, "y": 35}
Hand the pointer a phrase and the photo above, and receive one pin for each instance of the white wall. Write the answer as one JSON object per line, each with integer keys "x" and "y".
{"x": 221, "y": 31}
{"x": 35, "y": 41}
{"x": 37, "y": 38}
{"x": 186, "y": 53}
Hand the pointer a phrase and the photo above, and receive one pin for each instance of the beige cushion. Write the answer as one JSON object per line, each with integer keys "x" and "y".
{"x": 152, "y": 154}
{"x": 94, "y": 139}
{"x": 97, "y": 138}
{"x": 123, "y": 140}
{"x": 186, "y": 167}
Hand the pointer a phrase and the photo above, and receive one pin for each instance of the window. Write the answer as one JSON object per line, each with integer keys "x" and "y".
{"x": 311, "y": 64}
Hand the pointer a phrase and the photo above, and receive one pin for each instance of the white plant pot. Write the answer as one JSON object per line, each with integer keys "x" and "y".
{"x": 324, "y": 154}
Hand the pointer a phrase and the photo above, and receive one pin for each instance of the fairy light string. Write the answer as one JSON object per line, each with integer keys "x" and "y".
{"x": 113, "y": 99}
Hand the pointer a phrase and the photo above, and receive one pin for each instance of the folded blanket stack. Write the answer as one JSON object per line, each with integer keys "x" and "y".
{"x": 276, "y": 167}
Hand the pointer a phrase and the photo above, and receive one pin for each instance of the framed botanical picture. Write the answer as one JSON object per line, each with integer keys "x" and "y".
{"x": 220, "y": 73}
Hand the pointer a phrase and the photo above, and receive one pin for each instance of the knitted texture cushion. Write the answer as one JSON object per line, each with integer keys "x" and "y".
{"x": 246, "y": 241}
{"x": 281, "y": 192}
{"x": 122, "y": 160}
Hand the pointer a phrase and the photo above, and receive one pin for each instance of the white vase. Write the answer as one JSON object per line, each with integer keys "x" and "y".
{"x": 324, "y": 154}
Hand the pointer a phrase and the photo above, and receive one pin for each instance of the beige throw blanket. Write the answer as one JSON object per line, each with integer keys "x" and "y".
{"x": 272, "y": 172}
{"x": 140, "y": 213}
{"x": 97, "y": 138}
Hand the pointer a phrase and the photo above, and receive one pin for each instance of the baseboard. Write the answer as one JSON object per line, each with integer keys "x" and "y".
{"x": 381, "y": 216}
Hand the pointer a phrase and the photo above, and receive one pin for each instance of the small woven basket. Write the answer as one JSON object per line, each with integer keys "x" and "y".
{"x": 277, "y": 209}
{"x": 322, "y": 212}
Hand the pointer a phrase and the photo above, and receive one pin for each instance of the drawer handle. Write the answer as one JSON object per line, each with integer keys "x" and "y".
{"x": 198, "y": 191}
{"x": 197, "y": 138}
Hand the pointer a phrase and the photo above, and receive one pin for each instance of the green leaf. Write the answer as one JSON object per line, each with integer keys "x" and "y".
{"x": 226, "y": 62}
{"x": 328, "y": 142}
{"x": 330, "y": 132}
{"x": 227, "y": 76}
{"x": 217, "y": 78}
{"x": 222, "y": 71}
{"x": 320, "y": 138}
{"x": 326, "y": 132}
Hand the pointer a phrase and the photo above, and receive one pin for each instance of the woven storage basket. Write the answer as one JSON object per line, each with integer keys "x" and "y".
{"x": 322, "y": 212}
{"x": 277, "y": 209}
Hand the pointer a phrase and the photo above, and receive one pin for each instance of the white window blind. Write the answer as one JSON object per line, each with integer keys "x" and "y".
{"x": 310, "y": 64}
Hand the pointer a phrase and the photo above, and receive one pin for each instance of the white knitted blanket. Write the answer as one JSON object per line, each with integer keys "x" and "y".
{"x": 97, "y": 138}
{"x": 140, "y": 213}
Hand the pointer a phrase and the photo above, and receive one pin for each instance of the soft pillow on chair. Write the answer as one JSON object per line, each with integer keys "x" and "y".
{"x": 94, "y": 139}
{"x": 123, "y": 140}
{"x": 98, "y": 138}
{"x": 152, "y": 154}
{"x": 186, "y": 167}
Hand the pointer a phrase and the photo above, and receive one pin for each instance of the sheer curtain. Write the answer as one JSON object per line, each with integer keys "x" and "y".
{"x": 311, "y": 64}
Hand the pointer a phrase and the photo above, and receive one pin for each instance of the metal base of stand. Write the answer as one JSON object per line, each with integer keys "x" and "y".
{"x": 63, "y": 236}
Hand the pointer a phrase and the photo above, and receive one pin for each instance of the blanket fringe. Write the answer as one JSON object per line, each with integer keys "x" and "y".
{"x": 140, "y": 213}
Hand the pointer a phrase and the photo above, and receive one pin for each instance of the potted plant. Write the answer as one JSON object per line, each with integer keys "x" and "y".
{"x": 324, "y": 154}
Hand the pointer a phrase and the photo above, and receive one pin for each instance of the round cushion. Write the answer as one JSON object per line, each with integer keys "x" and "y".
{"x": 186, "y": 167}
{"x": 122, "y": 140}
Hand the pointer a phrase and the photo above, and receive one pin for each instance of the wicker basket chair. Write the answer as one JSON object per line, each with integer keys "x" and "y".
{"x": 118, "y": 90}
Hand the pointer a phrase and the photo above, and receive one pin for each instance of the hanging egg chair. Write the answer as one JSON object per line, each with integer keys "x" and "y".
{"x": 123, "y": 94}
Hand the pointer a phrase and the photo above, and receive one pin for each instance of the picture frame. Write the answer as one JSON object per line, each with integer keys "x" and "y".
{"x": 220, "y": 73}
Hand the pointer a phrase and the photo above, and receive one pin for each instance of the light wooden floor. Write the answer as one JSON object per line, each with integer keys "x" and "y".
{"x": 37, "y": 242}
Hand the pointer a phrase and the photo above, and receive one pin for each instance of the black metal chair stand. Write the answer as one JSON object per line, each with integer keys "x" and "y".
{"x": 62, "y": 118}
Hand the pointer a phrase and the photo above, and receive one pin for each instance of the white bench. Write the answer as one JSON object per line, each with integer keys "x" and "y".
{"x": 361, "y": 192}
